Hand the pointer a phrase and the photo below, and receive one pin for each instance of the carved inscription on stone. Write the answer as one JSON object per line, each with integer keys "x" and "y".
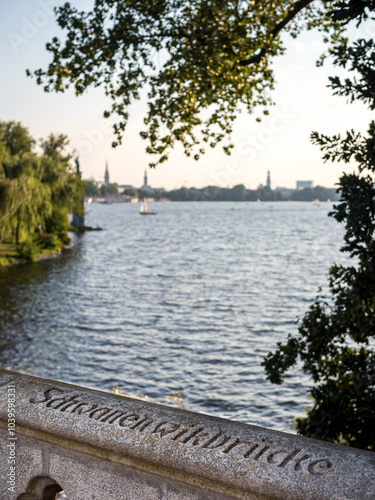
{"x": 196, "y": 435}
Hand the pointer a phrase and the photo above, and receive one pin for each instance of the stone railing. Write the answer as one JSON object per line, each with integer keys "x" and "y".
{"x": 95, "y": 445}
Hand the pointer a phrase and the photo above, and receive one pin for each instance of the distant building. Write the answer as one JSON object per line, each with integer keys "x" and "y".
{"x": 304, "y": 184}
{"x": 106, "y": 175}
{"x": 145, "y": 186}
{"x": 268, "y": 184}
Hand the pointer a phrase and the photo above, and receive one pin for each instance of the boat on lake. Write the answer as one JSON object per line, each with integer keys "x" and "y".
{"x": 145, "y": 210}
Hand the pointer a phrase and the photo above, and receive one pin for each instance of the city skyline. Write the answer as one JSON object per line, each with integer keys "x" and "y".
{"x": 298, "y": 183}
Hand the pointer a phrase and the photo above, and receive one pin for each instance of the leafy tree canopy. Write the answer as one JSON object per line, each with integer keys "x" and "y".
{"x": 215, "y": 193}
{"x": 91, "y": 189}
{"x": 199, "y": 61}
{"x": 317, "y": 193}
{"x": 55, "y": 146}
{"x": 16, "y": 138}
{"x": 109, "y": 189}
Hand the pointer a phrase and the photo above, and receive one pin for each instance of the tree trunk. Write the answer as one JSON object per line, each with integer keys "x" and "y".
{"x": 18, "y": 231}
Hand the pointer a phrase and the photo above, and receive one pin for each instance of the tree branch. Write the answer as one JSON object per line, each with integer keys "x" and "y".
{"x": 301, "y": 4}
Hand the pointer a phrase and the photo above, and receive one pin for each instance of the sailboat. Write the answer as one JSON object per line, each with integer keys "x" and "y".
{"x": 145, "y": 210}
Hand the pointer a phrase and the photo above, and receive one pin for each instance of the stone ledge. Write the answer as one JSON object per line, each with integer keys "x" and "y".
{"x": 243, "y": 459}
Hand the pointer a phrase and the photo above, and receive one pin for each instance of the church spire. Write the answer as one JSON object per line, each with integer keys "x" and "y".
{"x": 268, "y": 179}
{"x": 106, "y": 175}
{"x": 145, "y": 186}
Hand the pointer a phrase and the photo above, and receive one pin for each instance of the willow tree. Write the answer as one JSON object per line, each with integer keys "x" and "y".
{"x": 37, "y": 192}
{"x": 196, "y": 62}
{"x": 16, "y": 138}
{"x": 25, "y": 201}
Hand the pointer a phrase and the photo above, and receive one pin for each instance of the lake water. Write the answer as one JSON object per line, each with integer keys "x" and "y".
{"x": 189, "y": 300}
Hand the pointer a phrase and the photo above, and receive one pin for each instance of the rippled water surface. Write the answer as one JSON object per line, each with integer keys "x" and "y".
{"x": 189, "y": 300}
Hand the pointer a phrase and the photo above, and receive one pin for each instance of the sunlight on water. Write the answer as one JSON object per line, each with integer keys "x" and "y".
{"x": 188, "y": 301}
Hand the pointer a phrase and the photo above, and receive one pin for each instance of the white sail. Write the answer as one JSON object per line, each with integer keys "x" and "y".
{"x": 144, "y": 207}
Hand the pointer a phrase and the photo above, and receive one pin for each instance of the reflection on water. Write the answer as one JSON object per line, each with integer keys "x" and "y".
{"x": 190, "y": 300}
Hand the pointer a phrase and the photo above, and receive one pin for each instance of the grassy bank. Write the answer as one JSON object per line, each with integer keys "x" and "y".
{"x": 10, "y": 256}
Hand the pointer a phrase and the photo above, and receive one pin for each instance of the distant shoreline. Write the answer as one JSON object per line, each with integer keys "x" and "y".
{"x": 208, "y": 193}
{"x": 154, "y": 200}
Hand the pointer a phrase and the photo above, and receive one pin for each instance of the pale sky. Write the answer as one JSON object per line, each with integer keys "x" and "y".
{"x": 280, "y": 143}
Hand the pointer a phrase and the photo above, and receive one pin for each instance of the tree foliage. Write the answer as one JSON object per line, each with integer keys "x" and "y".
{"x": 109, "y": 189}
{"x": 37, "y": 192}
{"x": 336, "y": 341}
{"x": 316, "y": 193}
{"x": 215, "y": 193}
{"x": 55, "y": 145}
{"x": 91, "y": 189}
{"x": 360, "y": 58}
{"x": 15, "y": 138}
{"x": 24, "y": 199}
{"x": 200, "y": 62}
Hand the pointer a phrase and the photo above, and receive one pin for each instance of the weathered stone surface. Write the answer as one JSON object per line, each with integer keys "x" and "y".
{"x": 180, "y": 492}
{"x": 98, "y": 479}
{"x": 115, "y": 481}
{"x": 86, "y": 477}
{"x": 29, "y": 460}
{"x": 234, "y": 459}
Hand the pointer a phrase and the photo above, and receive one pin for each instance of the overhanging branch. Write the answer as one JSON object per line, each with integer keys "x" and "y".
{"x": 301, "y": 4}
